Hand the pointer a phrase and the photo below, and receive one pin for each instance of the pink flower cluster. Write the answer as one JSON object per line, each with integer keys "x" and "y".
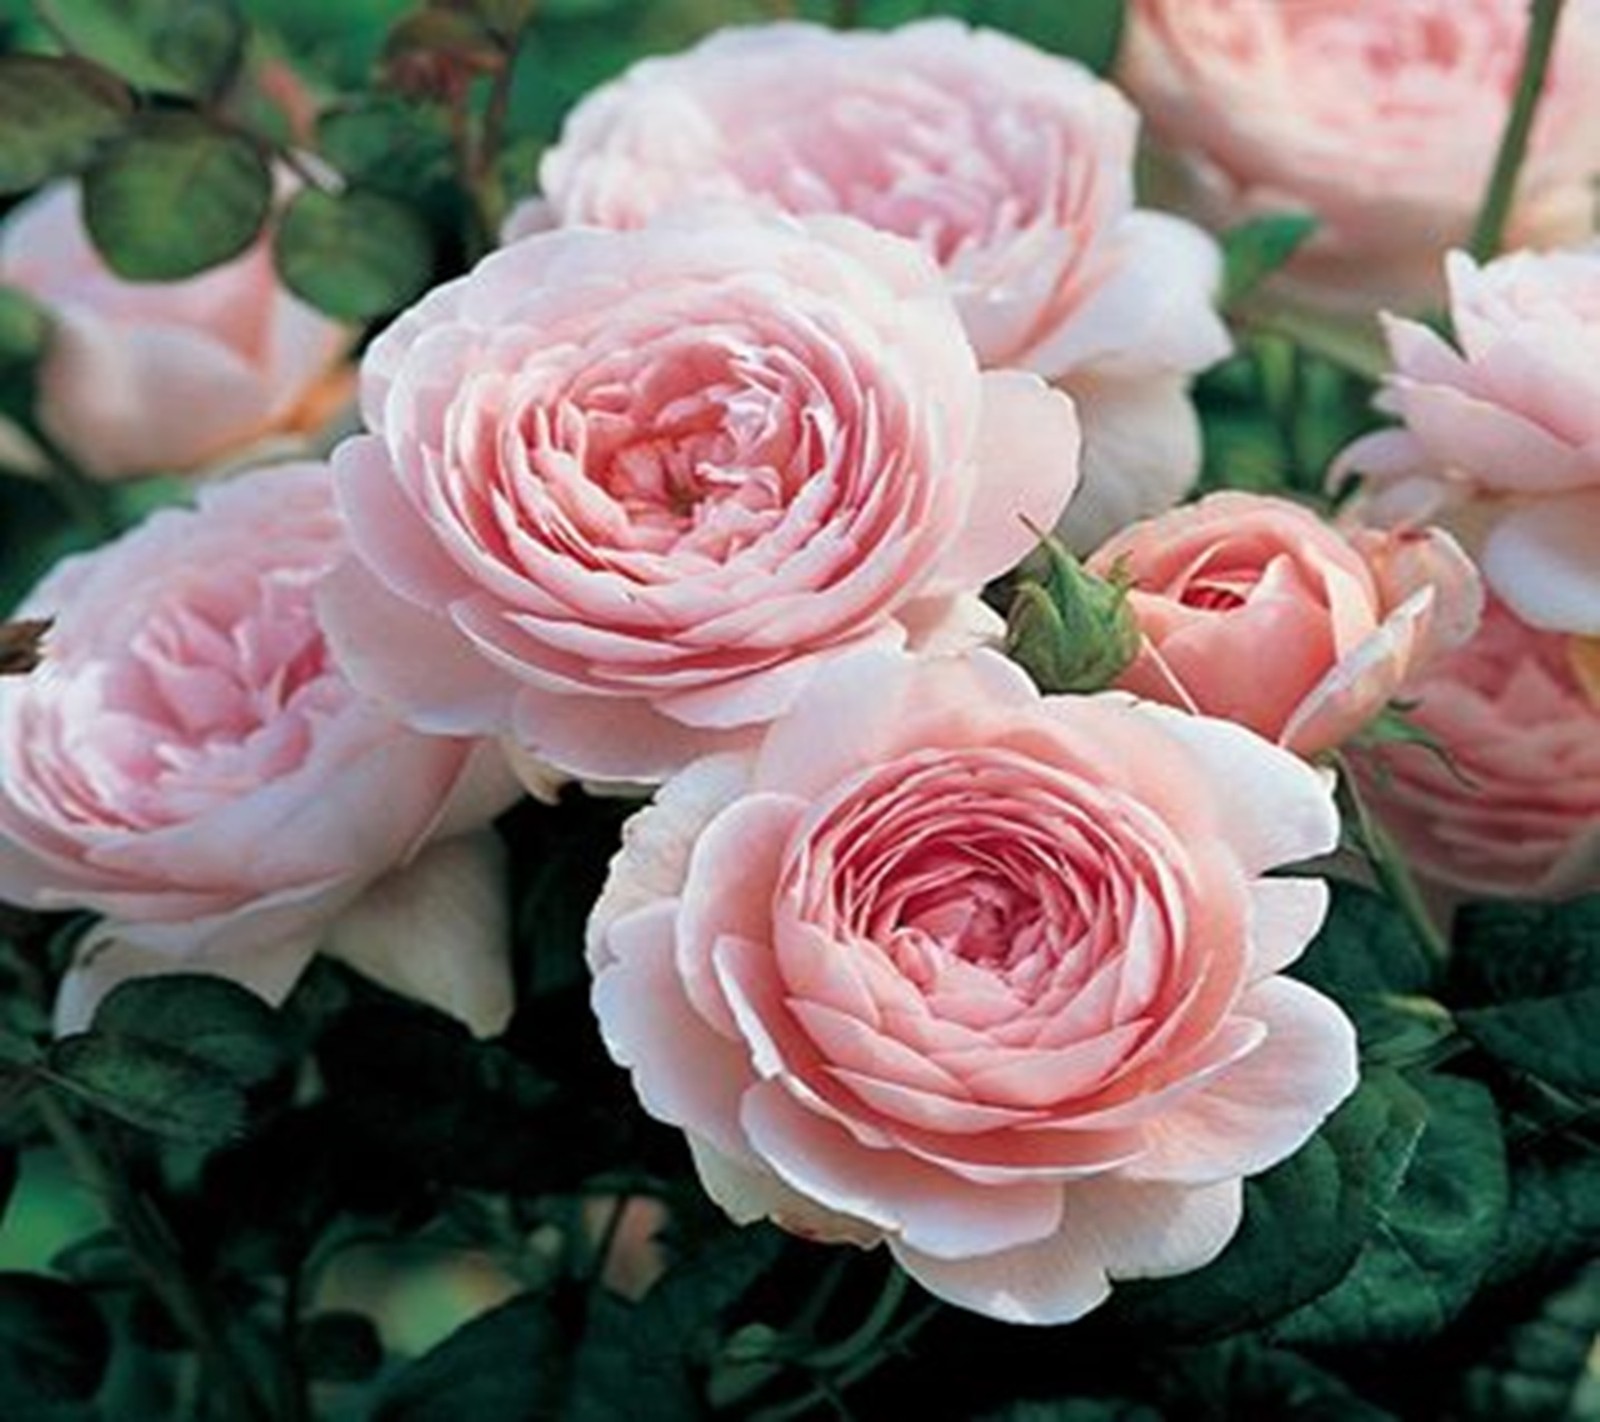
{"x": 696, "y": 485}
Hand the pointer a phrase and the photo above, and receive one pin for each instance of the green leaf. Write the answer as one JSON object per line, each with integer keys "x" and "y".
{"x": 1531, "y": 974}
{"x": 217, "y": 1022}
{"x": 1087, "y": 30}
{"x": 356, "y": 254}
{"x": 1075, "y": 1409}
{"x": 504, "y": 1366}
{"x": 647, "y": 1349}
{"x": 1542, "y": 1371}
{"x": 387, "y": 144}
{"x": 190, "y": 47}
{"x": 24, "y": 331}
{"x": 1305, "y": 1222}
{"x": 54, "y": 1344}
{"x": 1242, "y": 1379}
{"x": 1437, "y": 1239}
{"x": 341, "y": 1346}
{"x": 1368, "y": 959}
{"x": 1554, "y": 1217}
{"x": 150, "y": 1085}
{"x": 1257, "y": 247}
{"x": 176, "y": 195}
{"x": 55, "y": 114}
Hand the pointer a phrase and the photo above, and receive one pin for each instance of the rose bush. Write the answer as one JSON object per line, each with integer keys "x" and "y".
{"x": 189, "y": 763}
{"x": 1513, "y": 805}
{"x": 1012, "y": 168}
{"x": 988, "y": 976}
{"x": 162, "y": 377}
{"x": 1501, "y": 432}
{"x": 627, "y": 490}
{"x": 1382, "y": 119}
{"x": 1254, "y": 609}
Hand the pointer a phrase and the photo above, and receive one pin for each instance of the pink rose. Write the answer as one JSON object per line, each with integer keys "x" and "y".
{"x": 1254, "y": 609}
{"x": 989, "y": 976}
{"x": 1012, "y": 168}
{"x": 188, "y": 762}
{"x": 1381, "y": 117}
{"x": 164, "y": 377}
{"x": 1501, "y": 437}
{"x": 627, "y": 490}
{"x": 1517, "y": 809}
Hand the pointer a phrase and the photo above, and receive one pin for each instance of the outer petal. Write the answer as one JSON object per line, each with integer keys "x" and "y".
{"x": 439, "y": 931}
{"x": 1544, "y": 560}
{"x": 1265, "y": 1107}
{"x": 1027, "y": 471}
{"x": 1110, "y": 1229}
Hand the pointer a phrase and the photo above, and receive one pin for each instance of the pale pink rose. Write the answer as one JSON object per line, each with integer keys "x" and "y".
{"x": 628, "y": 490}
{"x": 1012, "y": 168}
{"x": 1256, "y": 610}
{"x": 1516, "y": 810}
{"x": 1501, "y": 433}
{"x": 991, "y": 977}
{"x": 164, "y": 377}
{"x": 188, "y": 762}
{"x": 1380, "y": 117}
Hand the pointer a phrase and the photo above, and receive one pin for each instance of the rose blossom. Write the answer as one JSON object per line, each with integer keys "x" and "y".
{"x": 1516, "y": 810}
{"x": 188, "y": 762}
{"x": 627, "y": 490}
{"x": 153, "y": 377}
{"x": 1501, "y": 437}
{"x": 989, "y": 976}
{"x": 1013, "y": 169}
{"x": 1254, "y": 609}
{"x": 1381, "y": 117}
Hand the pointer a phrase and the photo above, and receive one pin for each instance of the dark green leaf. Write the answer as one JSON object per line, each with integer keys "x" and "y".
{"x": 1438, "y": 1236}
{"x": 340, "y": 1346}
{"x": 8, "y": 1177}
{"x": 1535, "y": 970}
{"x": 647, "y": 1349}
{"x": 205, "y": 1017}
{"x": 54, "y": 116}
{"x": 355, "y": 254}
{"x": 1541, "y": 1371}
{"x": 1242, "y": 1379}
{"x": 1554, "y": 1217}
{"x": 176, "y": 195}
{"x": 1368, "y": 959}
{"x": 1075, "y": 1409}
{"x": 24, "y": 329}
{"x": 54, "y": 1344}
{"x": 150, "y": 1085}
{"x": 190, "y": 47}
{"x": 1256, "y": 248}
{"x": 504, "y": 1366}
{"x": 1088, "y": 30}
{"x": 387, "y": 144}
{"x": 1305, "y": 1222}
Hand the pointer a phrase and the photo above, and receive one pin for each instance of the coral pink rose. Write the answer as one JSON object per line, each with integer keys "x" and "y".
{"x": 1254, "y": 609}
{"x": 991, "y": 977}
{"x": 1013, "y": 169}
{"x": 1381, "y": 117}
{"x": 628, "y": 490}
{"x": 1501, "y": 437}
{"x": 188, "y": 762}
{"x": 161, "y": 377}
{"x": 1516, "y": 811}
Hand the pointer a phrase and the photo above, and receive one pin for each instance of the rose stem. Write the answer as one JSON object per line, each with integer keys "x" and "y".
{"x": 1490, "y": 228}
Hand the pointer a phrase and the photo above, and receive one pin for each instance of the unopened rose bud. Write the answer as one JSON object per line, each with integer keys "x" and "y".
{"x": 436, "y": 54}
{"x": 1069, "y": 630}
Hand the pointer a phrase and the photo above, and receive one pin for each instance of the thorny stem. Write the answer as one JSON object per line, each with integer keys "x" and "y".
{"x": 1543, "y": 21}
{"x": 150, "y": 1245}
